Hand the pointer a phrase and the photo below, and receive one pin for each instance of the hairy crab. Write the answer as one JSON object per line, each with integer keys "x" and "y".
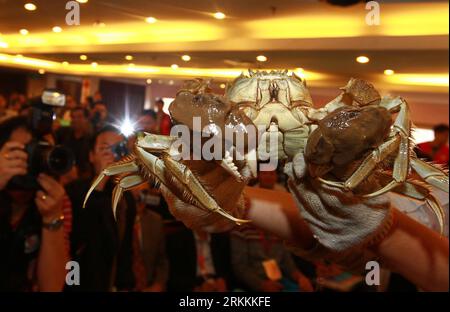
{"x": 348, "y": 141}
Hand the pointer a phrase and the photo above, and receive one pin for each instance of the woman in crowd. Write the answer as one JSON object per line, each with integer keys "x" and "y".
{"x": 34, "y": 225}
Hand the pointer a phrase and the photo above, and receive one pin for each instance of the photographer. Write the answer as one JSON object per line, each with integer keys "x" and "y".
{"x": 102, "y": 247}
{"x": 33, "y": 236}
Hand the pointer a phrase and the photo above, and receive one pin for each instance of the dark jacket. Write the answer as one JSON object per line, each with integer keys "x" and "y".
{"x": 19, "y": 247}
{"x": 182, "y": 255}
{"x": 105, "y": 257}
{"x": 78, "y": 146}
{"x": 154, "y": 248}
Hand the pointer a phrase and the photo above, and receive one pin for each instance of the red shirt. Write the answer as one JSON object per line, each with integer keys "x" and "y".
{"x": 165, "y": 125}
{"x": 439, "y": 156}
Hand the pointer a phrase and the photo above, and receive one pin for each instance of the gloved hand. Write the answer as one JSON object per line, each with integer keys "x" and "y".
{"x": 223, "y": 187}
{"x": 339, "y": 220}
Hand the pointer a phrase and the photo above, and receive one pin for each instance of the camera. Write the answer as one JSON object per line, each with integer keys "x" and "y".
{"x": 120, "y": 150}
{"x": 42, "y": 156}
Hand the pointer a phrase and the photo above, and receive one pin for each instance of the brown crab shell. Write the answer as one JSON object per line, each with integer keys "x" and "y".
{"x": 214, "y": 112}
{"x": 346, "y": 134}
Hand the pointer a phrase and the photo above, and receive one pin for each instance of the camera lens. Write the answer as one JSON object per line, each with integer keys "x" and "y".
{"x": 120, "y": 150}
{"x": 59, "y": 160}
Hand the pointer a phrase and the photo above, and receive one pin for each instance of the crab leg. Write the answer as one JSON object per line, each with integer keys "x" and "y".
{"x": 184, "y": 175}
{"x": 402, "y": 127}
{"x": 124, "y": 184}
{"x": 368, "y": 165}
{"x": 418, "y": 190}
{"x": 430, "y": 174}
{"x": 154, "y": 164}
{"x": 122, "y": 167}
{"x": 155, "y": 142}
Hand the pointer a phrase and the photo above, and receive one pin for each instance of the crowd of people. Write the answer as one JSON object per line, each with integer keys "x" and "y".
{"x": 144, "y": 248}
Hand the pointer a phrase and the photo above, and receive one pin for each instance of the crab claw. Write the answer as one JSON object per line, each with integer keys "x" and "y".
{"x": 124, "y": 184}
{"x": 126, "y": 166}
{"x": 195, "y": 189}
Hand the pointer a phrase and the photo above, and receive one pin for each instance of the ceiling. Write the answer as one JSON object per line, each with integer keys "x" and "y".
{"x": 341, "y": 62}
{"x": 51, "y": 12}
{"x": 412, "y": 38}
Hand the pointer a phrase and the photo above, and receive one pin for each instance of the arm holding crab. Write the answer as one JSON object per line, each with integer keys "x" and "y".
{"x": 406, "y": 239}
{"x": 341, "y": 197}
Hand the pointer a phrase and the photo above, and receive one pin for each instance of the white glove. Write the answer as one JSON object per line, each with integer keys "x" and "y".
{"x": 195, "y": 218}
{"x": 223, "y": 187}
{"x": 339, "y": 220}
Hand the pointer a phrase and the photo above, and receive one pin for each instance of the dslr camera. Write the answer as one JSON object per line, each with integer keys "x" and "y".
{"x": 44, "y": 157}
{"x": 120, "y": 150}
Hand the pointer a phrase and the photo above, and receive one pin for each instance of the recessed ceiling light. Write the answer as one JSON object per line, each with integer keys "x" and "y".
{"x": 129, "y": 57}
{"x": 219, "y": 15}
{"x": 151, "y": 20}
{"x": 186, "y": 58}
{"x": 94, "y": 64}
{"x": 82, "y": 1}
{"x": 174, "y": 66}
{"x": 24, "y": 32}
{"x": 222, "y": 86}
{"x": 57, "y": 29}
{"x": 362, "y": 59}
{"x": 83, "y": 57}
{"x": 30, "y": 6}
{"x": 41, "y": 71}
{"x": 261, "y": 58}
{"x": 389, "y": 72}
{"x": 171, "y": 82}
{"x": 65, "y": 63}
{"x": 99, "y": 24}
{"x": 148, "y": 81}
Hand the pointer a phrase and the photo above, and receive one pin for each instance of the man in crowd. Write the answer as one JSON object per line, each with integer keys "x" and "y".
{"x": 199, "y": 261}
{"x": 262, "y": 263}
{"x": 150, "y": 263}
{"x": 163, "y": 120}
{"x": 436, "y": 150}
{"x": 148, "y": 121}
{"x": 77, "y": 138}
{"x": 102, "y": 246}
{"x": 99, "y": 116}
{"x": 5, "y": 112}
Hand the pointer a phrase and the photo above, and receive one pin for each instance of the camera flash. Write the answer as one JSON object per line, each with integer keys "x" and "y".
{"x": 127, "y": 128}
